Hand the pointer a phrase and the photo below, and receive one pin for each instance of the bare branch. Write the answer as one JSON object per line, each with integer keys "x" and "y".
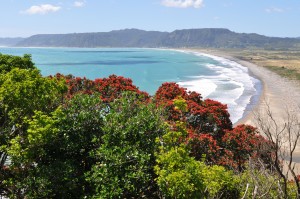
{"x": 247, "y": 187}
{"x": 283, "y": 132}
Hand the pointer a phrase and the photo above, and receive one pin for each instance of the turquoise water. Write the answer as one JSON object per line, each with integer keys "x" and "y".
{"x": 213, "y": 77}
{"x": 147, "y": 68}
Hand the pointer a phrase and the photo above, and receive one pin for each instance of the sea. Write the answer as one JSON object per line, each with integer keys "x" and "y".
{"x": 214, "y": 77}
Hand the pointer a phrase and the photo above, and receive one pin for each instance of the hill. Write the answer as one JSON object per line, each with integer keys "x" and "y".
{"x": 208, "y": 37}
{"x": 10, "y": 41}
{"x": 120, "y": 38}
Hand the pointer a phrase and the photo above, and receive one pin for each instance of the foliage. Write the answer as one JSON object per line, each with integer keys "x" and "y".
{"x": 239, "y": 144}
{"x": 109, "y": 88}
{"x": 77, "y": 84}
{"x": 202, "y": 116}
{"x": 258, "y": 182}
{"x": 204, "y": 145}
{"x": 9, "y": 62}
{"x": 181, "y": 176}
{"x": 112, "y": 87}
{"x": 209, "y": 128}
{"x": 125, "y": 160}
{"x": 70, "y": 137}
{"x": 56, "y": 149}
{"x": 22, "y": 92}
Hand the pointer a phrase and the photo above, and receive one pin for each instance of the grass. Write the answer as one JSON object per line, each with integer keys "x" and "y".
{"x": 285, "y": 63}
{"x": 285, "y": 72}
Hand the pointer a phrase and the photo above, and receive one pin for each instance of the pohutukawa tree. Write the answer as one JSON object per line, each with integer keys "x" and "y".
{"x": 210, "y": 131}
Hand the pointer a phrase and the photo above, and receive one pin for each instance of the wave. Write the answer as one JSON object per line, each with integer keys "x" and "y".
{"x": 232, "y": 84}
{"x": 203, "y": 86}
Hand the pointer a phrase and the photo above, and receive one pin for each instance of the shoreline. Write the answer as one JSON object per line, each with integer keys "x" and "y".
{"x": 277, "y": 92}
{"x": 237, "y": 109}
{"x": 255, "y": 104}
{"x": 257, "y": 99}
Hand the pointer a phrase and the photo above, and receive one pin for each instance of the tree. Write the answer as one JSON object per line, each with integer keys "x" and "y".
{"x": 9, "y": 62}
{"x": 203, "y": 116}
{"x": 112, "y": 88}
{"x": 22, "y": 92}
{"x": 179, "y": 175}
{"x": 53, "y": 157}
{"x": 125, "y": 159}
{"x": 77, "y": 84}
{"x": 209, "y": 128}
{"x": 239, "y": 144}
{"x": 182, "y": 176}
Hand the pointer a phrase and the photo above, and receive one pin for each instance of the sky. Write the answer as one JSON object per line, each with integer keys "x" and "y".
{"x": 23, "y": 18}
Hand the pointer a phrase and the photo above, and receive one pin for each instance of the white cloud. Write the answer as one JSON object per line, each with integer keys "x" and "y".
{"x": 42, "y": 9}
{"x": 79, "y": 4}
{"x": 274, "y": 9}
{"x": 183, "y": 3}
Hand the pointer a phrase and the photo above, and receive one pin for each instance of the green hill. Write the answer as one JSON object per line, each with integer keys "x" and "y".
{"x": 208, "y": 37}
{"x": 10, "y": 41}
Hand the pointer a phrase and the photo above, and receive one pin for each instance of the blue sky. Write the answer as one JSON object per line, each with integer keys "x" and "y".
{"x": 268, "y": 17}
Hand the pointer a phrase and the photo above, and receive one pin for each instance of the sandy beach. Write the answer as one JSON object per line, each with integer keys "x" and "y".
{"x": 280, "y": 94}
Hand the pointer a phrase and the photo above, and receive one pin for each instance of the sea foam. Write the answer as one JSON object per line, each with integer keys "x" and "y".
{"x": 203, "y": 86}
{"x": 232, "y": 85}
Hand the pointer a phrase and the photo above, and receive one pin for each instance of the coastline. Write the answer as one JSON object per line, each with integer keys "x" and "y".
{"x": 255, "y": 104}
{"x": 247, "y": 88}
{"x": 257, "y": 100}
{"x": 277, "y": 92}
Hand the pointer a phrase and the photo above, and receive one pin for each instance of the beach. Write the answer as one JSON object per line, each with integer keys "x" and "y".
{"x": 279, "y": 93}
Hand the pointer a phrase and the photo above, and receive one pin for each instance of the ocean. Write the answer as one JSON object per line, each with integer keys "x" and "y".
{"x": 214, "y": 77}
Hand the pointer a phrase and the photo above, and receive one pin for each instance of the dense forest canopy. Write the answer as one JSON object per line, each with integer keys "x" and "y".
{"x": 69, "y": 137}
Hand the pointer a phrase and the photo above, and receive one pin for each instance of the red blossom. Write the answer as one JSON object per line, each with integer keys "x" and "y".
{"x": 109, "y": 88}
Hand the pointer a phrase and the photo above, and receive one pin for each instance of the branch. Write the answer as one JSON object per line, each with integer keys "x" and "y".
{"x": 246, "y": 191}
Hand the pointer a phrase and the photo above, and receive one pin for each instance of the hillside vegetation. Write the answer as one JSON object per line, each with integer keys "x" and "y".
{"x": 9, "y": 41}
{"x": 208, "y": 37}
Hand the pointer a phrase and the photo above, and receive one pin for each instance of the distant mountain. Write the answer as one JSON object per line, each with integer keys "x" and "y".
{"x": 119, "y": 38}
{"x": 224, "y": 38}
{"x": 208, "y": 37}
{"x": 10, "y": 41}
